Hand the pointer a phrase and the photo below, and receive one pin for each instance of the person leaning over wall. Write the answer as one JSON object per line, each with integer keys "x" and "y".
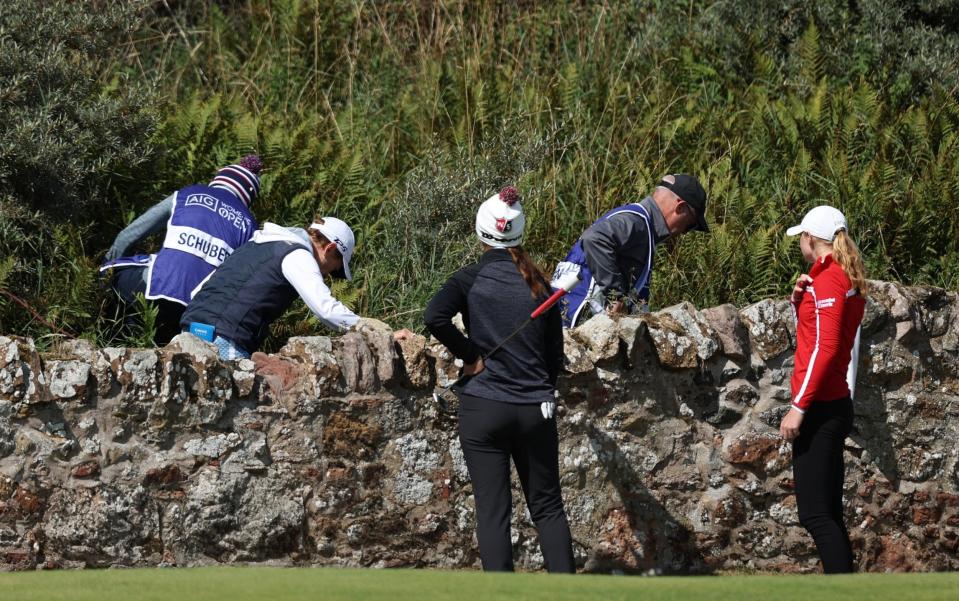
{"x": 506, "y": 407}
{"x": 614, "y": 256}
{"x": 204, "y": 224}
{"x": 829, "y": 303}
{"x": 256, "y": 284}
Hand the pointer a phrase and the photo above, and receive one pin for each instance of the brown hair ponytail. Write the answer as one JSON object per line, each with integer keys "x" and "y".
{"x": 846, "y": 253}
{"x": 537, "y": 282}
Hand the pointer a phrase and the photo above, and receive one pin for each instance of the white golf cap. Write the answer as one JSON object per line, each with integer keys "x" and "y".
{"x": 337, "y": 232}
{"x": 822, "y": 222}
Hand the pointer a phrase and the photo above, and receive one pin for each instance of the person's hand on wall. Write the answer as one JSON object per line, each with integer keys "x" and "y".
{"x": 616, "y": 308}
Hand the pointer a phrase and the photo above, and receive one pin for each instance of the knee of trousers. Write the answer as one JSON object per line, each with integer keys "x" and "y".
{"x": 813, "y": 519}
{"x": 549, "y": 508}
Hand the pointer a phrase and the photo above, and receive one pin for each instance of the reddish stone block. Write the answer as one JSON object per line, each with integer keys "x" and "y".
{"x": 166, "y": 475}
{"x": 620, "y": 545}
{"x": 922, "y": 515}
{"x": 27, "y": 501}
{"x": 896, "y": 555}
{"x": 754, "y": 449}
{"x": 312, "y": 473}
{"x": 18, "y": 560}
{"x": 945, "y": 499}
{"x": 86, "y": 469}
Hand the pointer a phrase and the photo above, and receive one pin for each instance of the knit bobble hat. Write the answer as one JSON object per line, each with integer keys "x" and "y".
{"x": 500, "y": 220}
{"x": 242, "y": 179}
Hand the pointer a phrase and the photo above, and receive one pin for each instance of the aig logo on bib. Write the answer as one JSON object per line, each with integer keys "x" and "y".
{"x": 202, "y": 200}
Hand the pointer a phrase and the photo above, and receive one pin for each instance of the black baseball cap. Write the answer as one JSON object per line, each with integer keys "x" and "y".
{"x": 690, "y": 190}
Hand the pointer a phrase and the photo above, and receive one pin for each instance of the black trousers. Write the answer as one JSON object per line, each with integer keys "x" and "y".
{"x": 819, "y": 472}
{"x": 128, "y": 281}
{"x": 491, "y": 433}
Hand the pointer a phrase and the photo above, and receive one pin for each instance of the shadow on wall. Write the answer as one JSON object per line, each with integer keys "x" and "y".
{"x": 623, "y": 432}
{"x": 666, "y": 545}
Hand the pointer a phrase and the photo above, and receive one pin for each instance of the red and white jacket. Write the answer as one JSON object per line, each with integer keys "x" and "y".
{"x": 827, "y": 336}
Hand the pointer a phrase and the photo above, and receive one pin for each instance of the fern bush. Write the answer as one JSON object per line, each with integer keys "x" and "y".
{"x": 402, "y": 117}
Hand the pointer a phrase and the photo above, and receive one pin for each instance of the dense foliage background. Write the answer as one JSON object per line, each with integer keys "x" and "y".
{"x": 401, "y": 117}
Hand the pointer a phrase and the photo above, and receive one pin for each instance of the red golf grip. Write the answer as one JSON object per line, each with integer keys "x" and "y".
{"x": 547, "y": 304}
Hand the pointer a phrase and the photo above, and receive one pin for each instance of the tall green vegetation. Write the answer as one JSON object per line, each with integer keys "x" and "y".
{"x": 402, "y": 117}
{"x": 71, "y": 125}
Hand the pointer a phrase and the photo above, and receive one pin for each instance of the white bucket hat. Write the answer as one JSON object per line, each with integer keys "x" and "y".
{"x": 822, "y": 222}
{"x": 500, "y": 220}
{"x": 337, "y": 232}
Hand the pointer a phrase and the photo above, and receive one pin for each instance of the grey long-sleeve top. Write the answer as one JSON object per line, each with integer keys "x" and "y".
{"x": 494, "y": 299}
{"x": 151, "y": 222}
{"x": 617, "y": 248}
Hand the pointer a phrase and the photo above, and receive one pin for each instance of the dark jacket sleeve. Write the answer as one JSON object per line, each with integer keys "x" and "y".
{"x": 447, "y": 302}
{"x": 151, "y": 222}
{"x": 605, "y": 242}
{"x": 555, "y": 351}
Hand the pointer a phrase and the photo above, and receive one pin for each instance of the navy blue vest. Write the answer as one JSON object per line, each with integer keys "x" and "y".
{"x": 245, "y": 294}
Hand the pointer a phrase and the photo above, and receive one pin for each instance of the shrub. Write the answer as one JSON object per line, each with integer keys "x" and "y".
{"x": 70, "y": 121}
{"x": 71, "y": 125}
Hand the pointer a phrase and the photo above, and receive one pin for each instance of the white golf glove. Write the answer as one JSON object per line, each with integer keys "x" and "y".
{"x": 547, "y": 408}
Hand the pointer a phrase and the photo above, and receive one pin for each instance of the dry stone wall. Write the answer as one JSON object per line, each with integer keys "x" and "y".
{"x": 331, "y": 452}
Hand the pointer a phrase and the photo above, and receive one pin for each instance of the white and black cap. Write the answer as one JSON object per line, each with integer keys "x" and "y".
{"x": 337, "y": 232}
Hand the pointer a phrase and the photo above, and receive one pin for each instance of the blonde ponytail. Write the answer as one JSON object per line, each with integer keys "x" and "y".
{"x": 846, "y": 253}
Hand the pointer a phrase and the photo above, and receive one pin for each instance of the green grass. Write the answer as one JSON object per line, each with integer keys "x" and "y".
{"x": 278, "y": 584}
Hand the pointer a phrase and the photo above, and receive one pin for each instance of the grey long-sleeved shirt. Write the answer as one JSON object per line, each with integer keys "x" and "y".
{"x": 494, "y": 299}
{"x": 617, "y": 248}
{"x": 151, "y": 222}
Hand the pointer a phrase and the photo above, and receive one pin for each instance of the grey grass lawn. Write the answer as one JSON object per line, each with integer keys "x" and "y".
{"x": 280, "y": 584}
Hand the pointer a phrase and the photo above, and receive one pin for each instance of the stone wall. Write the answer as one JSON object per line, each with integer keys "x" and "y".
{"x": 332, "y": 452}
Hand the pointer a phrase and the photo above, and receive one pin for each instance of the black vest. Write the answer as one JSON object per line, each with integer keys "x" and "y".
{"x": 245, "y": 294}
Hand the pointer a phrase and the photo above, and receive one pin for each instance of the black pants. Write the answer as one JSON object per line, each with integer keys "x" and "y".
{"x": 819, "y": 472}
{"x": 491, "y": 432}
{"x": 128, "y": 281}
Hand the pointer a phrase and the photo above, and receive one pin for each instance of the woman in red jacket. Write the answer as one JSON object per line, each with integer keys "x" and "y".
{"x": 829, "y": 303}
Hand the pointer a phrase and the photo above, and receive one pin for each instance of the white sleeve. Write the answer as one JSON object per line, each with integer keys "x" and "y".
{"x": 303, "y": 272}
{"x": 853, "y": 366}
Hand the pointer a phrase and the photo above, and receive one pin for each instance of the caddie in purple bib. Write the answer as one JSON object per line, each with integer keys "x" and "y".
{"x": 204, "y": 224}
{"x": 588, "y": 293}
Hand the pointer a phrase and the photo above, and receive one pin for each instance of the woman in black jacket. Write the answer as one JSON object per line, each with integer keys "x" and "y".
{"x": 506, "y": 406}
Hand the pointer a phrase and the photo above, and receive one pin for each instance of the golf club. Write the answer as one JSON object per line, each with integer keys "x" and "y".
{"x": 565, "y": 283}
